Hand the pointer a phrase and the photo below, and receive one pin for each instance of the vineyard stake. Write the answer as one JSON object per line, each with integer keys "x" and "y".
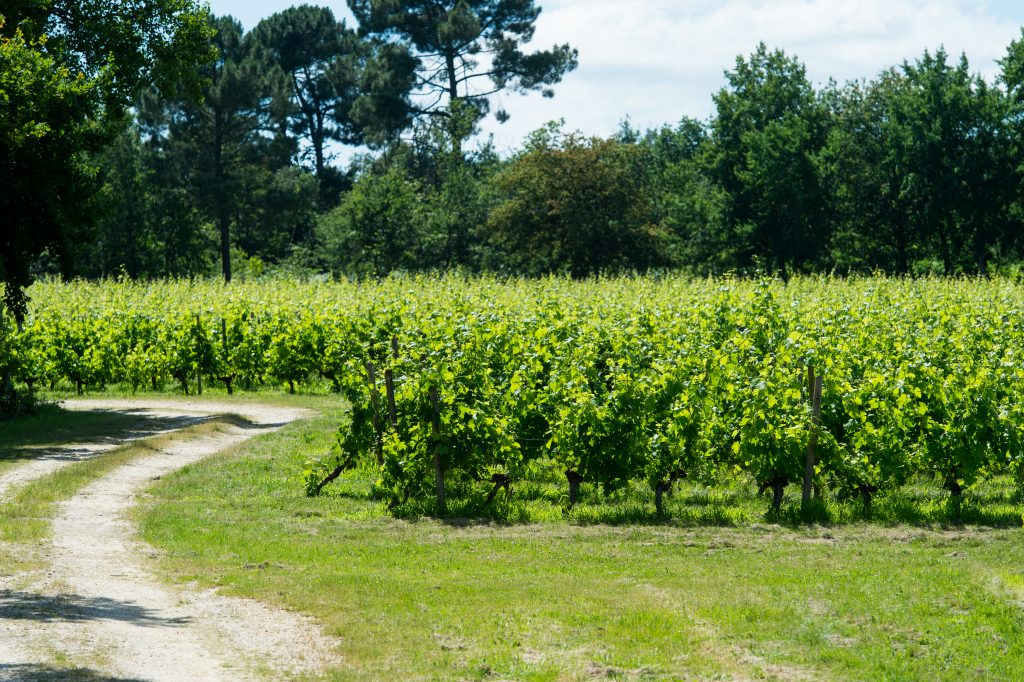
{"x": 435, "y": 430}
{"x": 378, "y": 431}
{"x": 199, "y": 370}
{"x": 389, "y": 387}
{"x": 224, "y": 342}
{"x": 817, "y": 383}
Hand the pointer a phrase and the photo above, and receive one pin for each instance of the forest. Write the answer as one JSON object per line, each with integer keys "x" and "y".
{"x": 309, "y": 146}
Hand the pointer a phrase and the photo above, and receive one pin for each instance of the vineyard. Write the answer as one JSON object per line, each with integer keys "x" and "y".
{"x": 854, "y": 386}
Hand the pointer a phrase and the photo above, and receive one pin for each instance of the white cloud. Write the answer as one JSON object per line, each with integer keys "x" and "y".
{"x": 658, "y": 60}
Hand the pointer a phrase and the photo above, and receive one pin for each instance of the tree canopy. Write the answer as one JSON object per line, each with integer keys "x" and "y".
{"x": 768, "y": 128}
{"x": 464, "y": 51}
{"x": 68, "y": 73}
{"x": 154, "y": 140}
{"x": 321, "y": 60}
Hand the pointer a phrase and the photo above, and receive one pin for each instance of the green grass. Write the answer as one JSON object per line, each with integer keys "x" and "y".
{"x": 606, "y": 591}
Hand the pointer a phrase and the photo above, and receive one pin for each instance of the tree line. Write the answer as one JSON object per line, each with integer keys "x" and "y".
{"x": 151, "y": 138}
{"x": 201, "y": 147}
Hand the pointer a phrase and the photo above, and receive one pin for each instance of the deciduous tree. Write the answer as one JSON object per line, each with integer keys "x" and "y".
{"x": 769, "y": 125}
{"x": 69, "y": 70}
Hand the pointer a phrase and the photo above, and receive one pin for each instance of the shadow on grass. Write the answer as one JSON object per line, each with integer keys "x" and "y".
{"x": 993, "y": 506}
{"x": 53, "y": 433}
{"x": 30, "y": 672}
{"x": 73, "y": 608}
{"x": 47, "y": 433}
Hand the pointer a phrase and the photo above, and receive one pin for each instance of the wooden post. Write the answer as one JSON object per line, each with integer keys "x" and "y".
{"x": 378, "y": 431}
{"x": 224, "y": 343}
{"x": 574, "y": 486}
{"x": 435, "y": 430}
{"x": 199, "y": 371}
{"x": 389, "y": 387}
{"x": 816, "y": 384}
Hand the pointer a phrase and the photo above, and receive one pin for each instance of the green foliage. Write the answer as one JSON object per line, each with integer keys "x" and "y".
{"x": 443, "y": 41}
{"x": 768, "y": 127}
{"x": 44, "y": 131}
{"x": 616, "y": 381}
{"x": 68, "y": 72}
{"x": 920, "y": 167}
{"x": 576, "y": 206}
{"x": 378, "y": 228}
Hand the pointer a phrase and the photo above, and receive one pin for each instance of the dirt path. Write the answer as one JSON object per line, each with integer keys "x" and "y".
{"x": 48, "y": 459}
{"x": 96, "y": 608}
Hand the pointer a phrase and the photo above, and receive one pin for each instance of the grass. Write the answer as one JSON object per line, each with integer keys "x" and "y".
{"x": 606, "y": 591}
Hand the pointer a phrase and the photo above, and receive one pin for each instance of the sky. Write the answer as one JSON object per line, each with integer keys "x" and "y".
{"x": 656, "y": 61}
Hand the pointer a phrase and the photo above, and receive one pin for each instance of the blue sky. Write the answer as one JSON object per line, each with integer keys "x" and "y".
{"x": 657, "y": 60}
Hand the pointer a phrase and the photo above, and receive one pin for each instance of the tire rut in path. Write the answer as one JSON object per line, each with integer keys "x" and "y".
{"x": 99, "y": 607}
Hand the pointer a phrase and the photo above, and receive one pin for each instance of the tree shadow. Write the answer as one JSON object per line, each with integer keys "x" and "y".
{"x": 31, "y": 672}
{"x": 729, "y": 508}
{"x": 70, "y": 435}
{"x": 73, "y": 608}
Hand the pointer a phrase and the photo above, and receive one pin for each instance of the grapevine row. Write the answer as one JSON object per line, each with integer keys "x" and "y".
{"x": 606, "y": 381}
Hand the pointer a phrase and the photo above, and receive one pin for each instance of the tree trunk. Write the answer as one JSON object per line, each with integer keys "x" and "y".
{"x": 453, "y": 97}
{"x": 980, "y": 244}
{"x": 223, "y": 215}
{"x": 659, "y": 496}
{"x": 6, "y": 387}
{"x": 224, "y": 222}
{"x": 947, "y": 257}
{"x": 318, "y": 152}
{"x": 7, "y": 381}
{"x": 574, "y": 486}
{"x": 902, "y": 248}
